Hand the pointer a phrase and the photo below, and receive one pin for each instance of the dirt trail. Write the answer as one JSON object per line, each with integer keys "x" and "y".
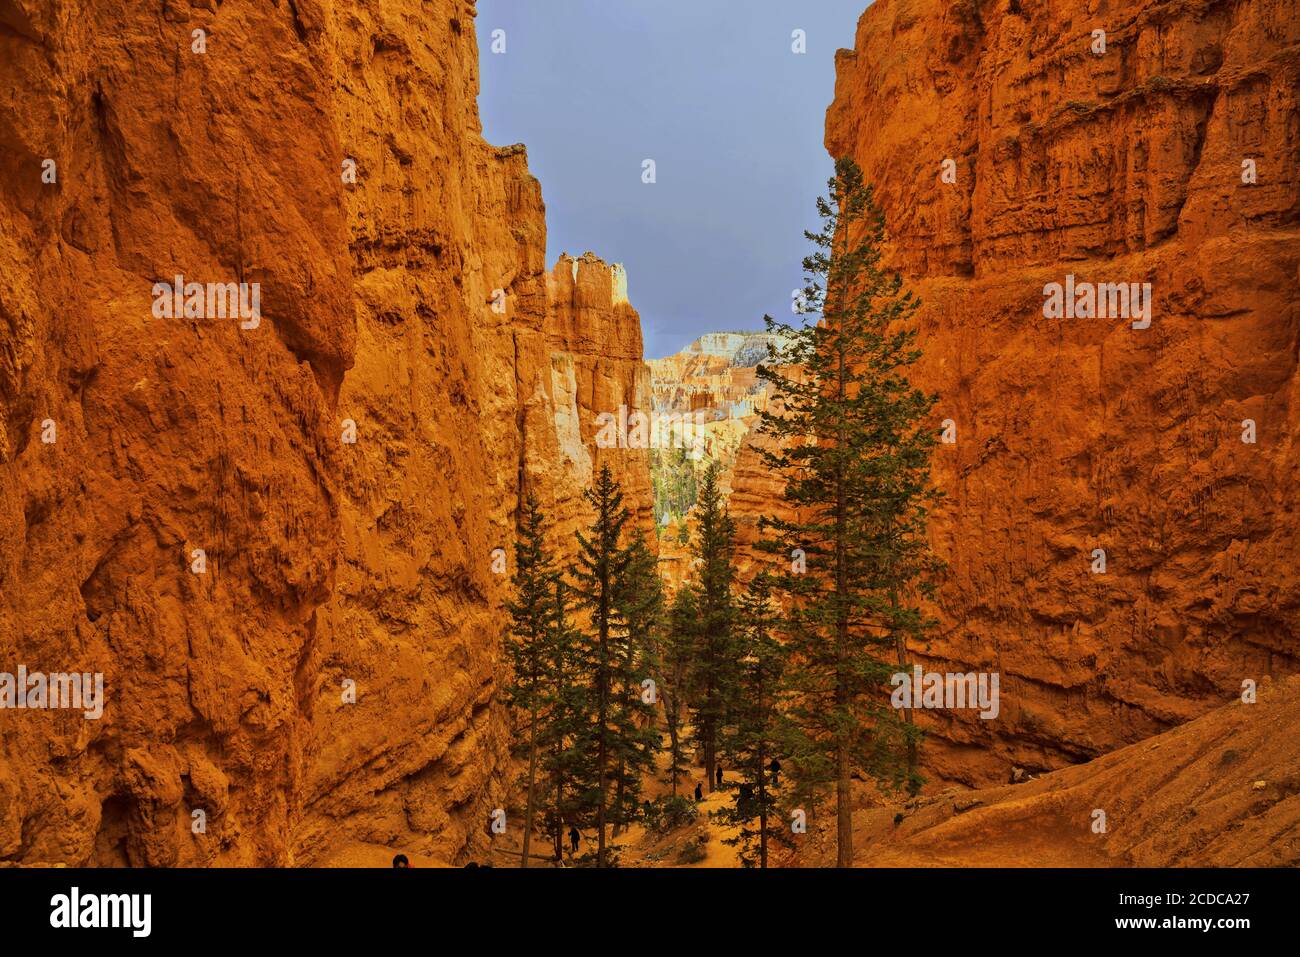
{"x": 362, "y": 854}
{"x": 1223, "y": 790}
{"x": 694, "y": 845}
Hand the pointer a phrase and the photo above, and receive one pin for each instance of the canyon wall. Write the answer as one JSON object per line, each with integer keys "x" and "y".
{"x": 1123, "y": 166}
{"x": 323, "y": 676}
{"x": 591, "y": 366}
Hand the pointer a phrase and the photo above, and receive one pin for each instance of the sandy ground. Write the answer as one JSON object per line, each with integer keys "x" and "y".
{"x": 360, "y": 854}
{"x": 638, "y": 847}
{"x": 1223, "y": 790}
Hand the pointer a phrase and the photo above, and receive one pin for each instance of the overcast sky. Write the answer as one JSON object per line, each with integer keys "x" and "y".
{"x": 712, "y": 92}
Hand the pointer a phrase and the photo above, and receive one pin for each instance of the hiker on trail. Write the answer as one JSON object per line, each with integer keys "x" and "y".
{"x": 775, "y": 768}
{"x": 699, "y": 792}
{"x": 718, "y": 775}
{"x": 401, "y": 861}
{"x": 646, "y": 811}
{"x": 573, "y": 839}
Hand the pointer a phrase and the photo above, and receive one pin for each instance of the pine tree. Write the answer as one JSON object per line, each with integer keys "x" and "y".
{"x": 640, "y": 602}
{"x": 673, "y": 656}
{"x": 683, "y": 533}
{"x": 616, "y": 734}
{"x": 566, "y": 760}
{"x": 854, "y": 448}
{"x": 528, "y": 640}
{"x": 714, "y": 660}
{"x": 672, "y": 473}
{"x": 749, "y": 739}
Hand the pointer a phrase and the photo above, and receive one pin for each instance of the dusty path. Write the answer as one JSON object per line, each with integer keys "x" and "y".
{"x": 1223, "y": 790}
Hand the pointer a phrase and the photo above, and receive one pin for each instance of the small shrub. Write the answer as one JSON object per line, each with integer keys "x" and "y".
{"x": 668, "y": 813}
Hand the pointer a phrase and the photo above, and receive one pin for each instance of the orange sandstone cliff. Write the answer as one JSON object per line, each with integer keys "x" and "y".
{"x": 325, "y": 677}
{"x": 1128, "y": 165}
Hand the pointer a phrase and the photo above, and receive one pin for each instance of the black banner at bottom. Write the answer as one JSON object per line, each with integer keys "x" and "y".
{"x": 563, "y": 908}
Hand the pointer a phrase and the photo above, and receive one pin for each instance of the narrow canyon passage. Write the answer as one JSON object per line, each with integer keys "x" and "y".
{"x": 288, "y": 355}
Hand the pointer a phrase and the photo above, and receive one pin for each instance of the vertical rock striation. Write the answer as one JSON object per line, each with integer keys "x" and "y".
{"x": 592, "y": 366}
{"x": 410, "y": 303}
{"x": 1086, "y": 433}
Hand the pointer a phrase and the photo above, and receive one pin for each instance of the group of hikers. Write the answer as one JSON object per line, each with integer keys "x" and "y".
{"x": 746, "y": 793}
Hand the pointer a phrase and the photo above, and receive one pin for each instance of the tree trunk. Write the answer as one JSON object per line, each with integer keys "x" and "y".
{"x": 762, "y": 782}
{"x": 618, "y": 796}
{"x": 561, "y": 686}
{"x": 710, "y": 759}
{"x": 602, "y": 755}
{"x": 675, "y": 754}
{"x": 558, "y": 820}
{"x": 621, "y": 821}
{"x": 844, "y": 810}
{"x": 844, "y": 780}
{"x": 900, "y": 647}
{"x": 532, "y": 776}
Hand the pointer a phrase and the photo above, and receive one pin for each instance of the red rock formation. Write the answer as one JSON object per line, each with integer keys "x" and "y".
{"x": 1078, "y": 434}
{"x": 755, "y": 492}
{"x": 327, "y": 562}
{"x": 593, "y": 365}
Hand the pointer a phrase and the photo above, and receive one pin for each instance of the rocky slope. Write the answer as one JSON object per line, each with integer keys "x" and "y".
{"x": 329, "y": 677}
{"x": 1075, "y": 434}
{"x": 1220, "y": 791}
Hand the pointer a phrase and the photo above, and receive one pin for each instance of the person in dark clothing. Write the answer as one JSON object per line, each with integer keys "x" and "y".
{"x": 401, "y": 861}
{"x": 573, "y": 839}
{"x": 717, "y": 776}
{"x": 699, "y": 792}
{"x": 775, "y": 768}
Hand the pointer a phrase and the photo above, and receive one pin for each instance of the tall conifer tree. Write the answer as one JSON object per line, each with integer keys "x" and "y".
{"x": 674, "y": 659}
{"x": 714, "y": 661}
{"x": 640, "y": 602}
{"x": 749, "y": 739}
{"x": 527, "y": 643}
{"x": 854, "y": 447}
{"x": 566, "y": 761}
{"x": 616, "y": 733}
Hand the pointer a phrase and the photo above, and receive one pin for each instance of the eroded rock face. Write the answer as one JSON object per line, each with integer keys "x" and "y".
{"x": 412, "y": 302}
{"x": 1086, "y": 433}
{"x": 1218, "y": 791}
{"x": 593, "y": 367}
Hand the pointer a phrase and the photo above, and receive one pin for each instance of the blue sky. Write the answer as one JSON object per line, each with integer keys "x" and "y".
{"x": 712, "y": 92}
